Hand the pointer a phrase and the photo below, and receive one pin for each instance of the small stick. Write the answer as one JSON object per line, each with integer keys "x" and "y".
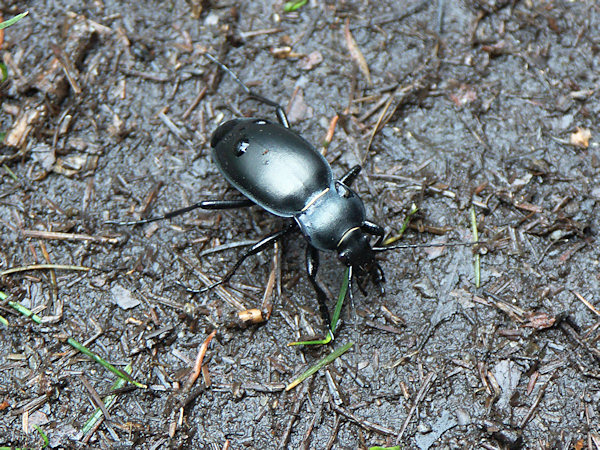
{"x": 429, "y": 379}
{"x": 586, "y": 303}
{"x": 43, "y": 267}
{"x": 68, "y": 236}
{"x": 198, "y": 364}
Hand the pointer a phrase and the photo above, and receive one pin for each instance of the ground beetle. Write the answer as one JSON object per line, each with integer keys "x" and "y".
{"x": 278, "y": 170}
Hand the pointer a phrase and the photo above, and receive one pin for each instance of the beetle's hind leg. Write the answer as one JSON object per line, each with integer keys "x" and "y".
{"x": 256, "y": 248}
{"x": 281, "y": 116}
{"x": 211, "y": 205}
{"x": 312, "y": 267}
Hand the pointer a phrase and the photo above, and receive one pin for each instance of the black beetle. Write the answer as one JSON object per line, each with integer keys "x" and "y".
{"x": 278, "y": 170}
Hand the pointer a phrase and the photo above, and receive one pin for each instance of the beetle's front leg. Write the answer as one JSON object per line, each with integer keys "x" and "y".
{"x": 349, "y": 177}
{"x": 312, "y": 267}
{"x": 375, "y": 230}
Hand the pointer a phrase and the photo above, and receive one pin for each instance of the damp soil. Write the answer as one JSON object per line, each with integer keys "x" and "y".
{"x": 487, "y": 108}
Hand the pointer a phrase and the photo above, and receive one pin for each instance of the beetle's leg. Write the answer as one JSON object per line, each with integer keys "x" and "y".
{"x": 378, "y": 277}
{"x": 350, "y": 278}
{"x": 375, "y": 230}
{"x": 256, "y": 248}
{"x": 351, "y": 175}
{"x": 312, "y": 267}
{"x": 206, "y": 204}
{"x": 281, "y": 116}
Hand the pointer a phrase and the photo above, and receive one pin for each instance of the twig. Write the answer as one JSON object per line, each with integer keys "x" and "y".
{"x": 97, "y": 400}
{"x": 536, "y": 402}
{"x": 377, "y": 126}
{"x": 175, "y": 130}
{"x": 253, "y": 33}
{"x": 69, "y": 236}
{"x": 195, "y": 102}
{"x": 334, "y": 432}
{"x": 429, "y": 380}
{"x": 223, "y": 247}
{"x": 198, "y": 363}
{"x": 367, "y": 425}
{"x": 586, "y": 303}
{"x": 294, "y": 415}
{"x": 43, "y": 267}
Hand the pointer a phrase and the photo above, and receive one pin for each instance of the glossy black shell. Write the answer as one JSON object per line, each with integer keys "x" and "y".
{"x": 270, "y": 164}
{"x": 338, "y": 210}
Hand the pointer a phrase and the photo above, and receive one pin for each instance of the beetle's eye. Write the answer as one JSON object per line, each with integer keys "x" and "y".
{"x": 241, "y": 146}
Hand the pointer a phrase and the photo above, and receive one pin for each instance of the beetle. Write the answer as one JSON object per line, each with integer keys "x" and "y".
{"x": 277, "y": 169}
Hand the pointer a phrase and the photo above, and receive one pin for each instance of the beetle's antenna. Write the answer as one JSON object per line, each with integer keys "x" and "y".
{"x": 230, "y": 72}
{"x": 454, "y": 244}
{"x": 283, "y": 120}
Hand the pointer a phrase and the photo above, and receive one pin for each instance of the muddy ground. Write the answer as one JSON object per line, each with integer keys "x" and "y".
{"x": 490, "y": 105}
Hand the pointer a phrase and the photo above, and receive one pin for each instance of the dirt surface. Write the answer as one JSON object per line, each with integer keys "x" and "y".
{"x": 490, "y": 104}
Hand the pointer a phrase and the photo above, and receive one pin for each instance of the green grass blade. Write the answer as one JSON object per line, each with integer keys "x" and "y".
{"x": 392, "y": 239}
{"x": 314, "y": 369}
{"x": 340, "y": 302}
{"x": 336, "y": 315}
{"x": 293, "y": 6}
{"x": 76, "y": 345}
{"x": 25, "y": 311}
{"x": 3, "y": 72}
{"x": 15, "y": 19}
{"x": 44, "y": 437}
{"x": 109, "y": 400}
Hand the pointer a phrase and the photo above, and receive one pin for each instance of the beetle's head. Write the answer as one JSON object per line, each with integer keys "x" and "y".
{"x": 222, "y": 131}
{"x": 354, "y": 250}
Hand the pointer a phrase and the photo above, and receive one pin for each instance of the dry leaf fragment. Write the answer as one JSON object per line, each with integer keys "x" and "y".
{"x": 539, "y": 320}
{"x": 581, "y": 137}
{"x": 356, "y": 53}
{"x": 298, "y": 109}
{"x": 28, "y": 119}
{"x": 465, "y": 94}
{"x": 308, "y": 62}
{"x": 435, "y": 252}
